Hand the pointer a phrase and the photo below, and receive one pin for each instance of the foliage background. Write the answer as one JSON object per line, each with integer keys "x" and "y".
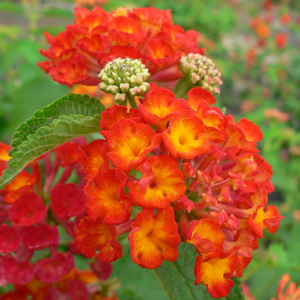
{"x": 259, "y": 74}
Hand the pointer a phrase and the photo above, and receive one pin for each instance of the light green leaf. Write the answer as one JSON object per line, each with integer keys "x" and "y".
{"x": 178, "y": 278}
{"x": 63, "y": 120}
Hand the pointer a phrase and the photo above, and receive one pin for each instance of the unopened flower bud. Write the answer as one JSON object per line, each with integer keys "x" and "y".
{"x": 201, "y": 71}
{"x": 122, "y": 76}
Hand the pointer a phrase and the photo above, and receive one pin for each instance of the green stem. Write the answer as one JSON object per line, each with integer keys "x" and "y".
{"x": 131, "y": 100}
{"x": 182, "y": 88}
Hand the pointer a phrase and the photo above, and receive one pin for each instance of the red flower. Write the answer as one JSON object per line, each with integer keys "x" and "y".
{"x": 286, "y": 18}
{"x": 69, "y": 151}
{"x": 28, "y": 209}
{"x": 19, "y": 272}
{"x": 281, "y": 40}
{"x": 54, "y": 268}
{"x": 40, "y": 237}
{"x": 67, "y": 201}
{"x": 94, "y": 236}
{"x": 9, "y": 238}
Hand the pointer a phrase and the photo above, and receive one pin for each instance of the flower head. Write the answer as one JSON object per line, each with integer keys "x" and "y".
{"x": 178, "y": 171}
{"x": 154, "y": 238}
{"x": 78, "y": 54}
{"x": 122, "y": 76}
{"x": 201, "y": 71}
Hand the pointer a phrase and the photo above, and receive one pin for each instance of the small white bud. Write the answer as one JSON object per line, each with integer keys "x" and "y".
{"x": 201, "y": 71}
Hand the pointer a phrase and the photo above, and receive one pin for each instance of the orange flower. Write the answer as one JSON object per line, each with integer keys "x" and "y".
{"x": 93, "y": 158}
{"x": 200, "y": 100}
{"x": 215, "y": 274}
{"x": 125, "y": 30}
{"x": 186, "y": 137}
{"x": 207, "y": 237}
{"x": 245, "y": 135}
{"x": 130, "y": 143}
{"x": 4, "y": 152}
{"x": 160, "y": 106}
{"x": 263, "y": 30}
{"x": 106, "y": 197}
{"x": 198, "y": 94}
{"x": 112, "y": 115}
{"x": 154, "y": 238}
{"x": 22, "y": 183}
{"x": 265, "y": 219}
{"x": 162, "y": 183}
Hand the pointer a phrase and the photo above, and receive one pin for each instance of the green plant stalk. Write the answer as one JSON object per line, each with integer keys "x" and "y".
{"x": 131, "y": 100}
{"x": 182, "y": 88}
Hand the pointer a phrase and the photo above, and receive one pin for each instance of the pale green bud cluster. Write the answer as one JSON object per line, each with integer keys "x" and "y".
{"x": 201, "y": 71}
{"x": 125, "y": 75}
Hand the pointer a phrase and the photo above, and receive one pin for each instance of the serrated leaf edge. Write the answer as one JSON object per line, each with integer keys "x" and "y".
{"x": 42, "y": 132}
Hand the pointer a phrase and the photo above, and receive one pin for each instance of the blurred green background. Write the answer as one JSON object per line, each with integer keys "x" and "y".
{"x": 256, "y": 46}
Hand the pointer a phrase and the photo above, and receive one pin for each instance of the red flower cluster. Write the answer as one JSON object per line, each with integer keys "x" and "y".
{"x": 76, "y": 285}
{"x": 177, "y": 171}
{"x": 34, "y": 206}
{"x": 78, "y": 54}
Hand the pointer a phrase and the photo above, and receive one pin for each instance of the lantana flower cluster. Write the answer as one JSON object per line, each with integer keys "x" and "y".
{"x": 33, "y": 207}
{"x": 177, "y": 171}
{"x": 77, "y": 55}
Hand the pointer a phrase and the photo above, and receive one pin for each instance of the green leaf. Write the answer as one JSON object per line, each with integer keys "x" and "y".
{"x": 65, "y": 119}
{"x": 178, "y": 278}
{"x": 137, "y": 283}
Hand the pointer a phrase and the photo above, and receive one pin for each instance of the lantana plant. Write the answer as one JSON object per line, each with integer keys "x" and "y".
{"x": 182, "y": 181}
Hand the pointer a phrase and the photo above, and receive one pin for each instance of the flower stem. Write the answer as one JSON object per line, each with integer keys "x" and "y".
{"x": 182, "y": 87}
{"x": 131, "y": 100}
